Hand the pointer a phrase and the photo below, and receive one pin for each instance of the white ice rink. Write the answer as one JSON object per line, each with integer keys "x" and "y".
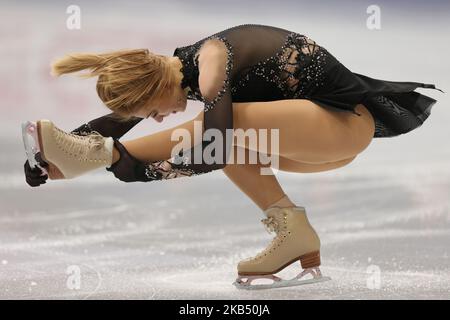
{"x": 182, "y": 239}
{"x": 384, "y": 220}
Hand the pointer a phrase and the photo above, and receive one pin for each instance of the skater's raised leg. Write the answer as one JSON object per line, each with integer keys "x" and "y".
{"x": 342, "y": 135}
{"x": 308, "y": 133}
{"x": 158, "y": 146}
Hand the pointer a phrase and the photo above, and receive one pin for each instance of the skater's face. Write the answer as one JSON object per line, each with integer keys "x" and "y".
{"x": 167, "y": 105}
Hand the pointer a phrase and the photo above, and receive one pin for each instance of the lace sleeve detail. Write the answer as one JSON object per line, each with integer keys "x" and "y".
{"x": 165, "y": 169}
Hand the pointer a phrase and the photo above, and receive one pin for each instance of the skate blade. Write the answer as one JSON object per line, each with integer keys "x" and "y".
{"x": 31, "y": 144}
{"x": 280, "y": 284}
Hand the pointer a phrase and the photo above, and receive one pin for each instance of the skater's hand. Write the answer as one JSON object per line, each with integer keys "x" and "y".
{"x": 128, "y": 168}
{"x": 33, "y": 175}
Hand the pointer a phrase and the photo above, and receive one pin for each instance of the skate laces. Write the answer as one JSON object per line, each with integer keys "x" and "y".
{"x": 80, "y": 145}
{"x": 270, "y": 224}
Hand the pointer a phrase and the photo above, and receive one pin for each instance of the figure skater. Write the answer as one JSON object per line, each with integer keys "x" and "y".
{"x": 248, "y": 77}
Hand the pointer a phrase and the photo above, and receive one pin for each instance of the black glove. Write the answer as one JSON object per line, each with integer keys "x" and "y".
{"x": 33, "y": 175}
{"x": 130, "y": 169}
{"x": 106, "y": 125}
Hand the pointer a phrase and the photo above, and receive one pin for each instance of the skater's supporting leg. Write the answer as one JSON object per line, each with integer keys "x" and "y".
{"x": 284, "y": 202}
{"x": 264, "y": 190}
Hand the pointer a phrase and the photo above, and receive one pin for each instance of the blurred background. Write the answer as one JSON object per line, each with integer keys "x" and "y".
{"x": 384, "y": 219}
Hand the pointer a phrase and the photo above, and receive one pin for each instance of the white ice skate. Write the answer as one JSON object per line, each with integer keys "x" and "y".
{"x": 68, "y": 155}
{"x": 296, "y": 240}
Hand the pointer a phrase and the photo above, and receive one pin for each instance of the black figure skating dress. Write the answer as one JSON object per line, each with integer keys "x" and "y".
{"x": 267, "y": 63}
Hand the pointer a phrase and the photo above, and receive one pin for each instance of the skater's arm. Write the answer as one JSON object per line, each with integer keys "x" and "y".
{"x": 214, "y": 83}
{"x": 107, "y": 126}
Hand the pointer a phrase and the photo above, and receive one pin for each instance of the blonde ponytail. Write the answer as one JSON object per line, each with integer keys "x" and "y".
{"x": 127, "y": 79}
{"x": 76, "y": 62}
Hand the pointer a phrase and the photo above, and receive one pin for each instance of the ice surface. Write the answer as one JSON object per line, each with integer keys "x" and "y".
{"x": 386, "y": 213}
{"x": 182, "y": 239}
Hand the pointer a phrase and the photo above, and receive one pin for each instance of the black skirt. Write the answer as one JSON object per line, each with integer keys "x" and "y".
{"x": 395, "y": 106}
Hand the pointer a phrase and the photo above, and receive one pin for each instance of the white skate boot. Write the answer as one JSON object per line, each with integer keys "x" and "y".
{"x": 68, "y": 155}
{"x": 295, "y": 240}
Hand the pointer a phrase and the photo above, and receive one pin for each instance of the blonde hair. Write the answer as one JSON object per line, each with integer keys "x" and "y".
{"x": 127, "y": 79}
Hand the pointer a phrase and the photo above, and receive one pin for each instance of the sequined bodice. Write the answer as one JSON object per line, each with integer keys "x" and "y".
{"x": 293, "y": 70}
{"x": 190, "y": 71}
